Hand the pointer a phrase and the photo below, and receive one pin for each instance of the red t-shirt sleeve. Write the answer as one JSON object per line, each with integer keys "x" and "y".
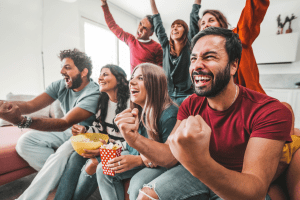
{"x": 273, "y": 121}
{"x": 184, "y": 109}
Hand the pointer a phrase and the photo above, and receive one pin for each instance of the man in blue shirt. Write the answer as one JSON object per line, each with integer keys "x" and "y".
{"x": 78, "y": 95}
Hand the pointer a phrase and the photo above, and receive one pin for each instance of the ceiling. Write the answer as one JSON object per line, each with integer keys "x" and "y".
{"x": 171, "y": 10}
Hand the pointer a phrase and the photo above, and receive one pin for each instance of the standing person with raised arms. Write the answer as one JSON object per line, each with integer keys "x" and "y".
{"x": 176, "y": 57}
{"x": 142, "y": 48}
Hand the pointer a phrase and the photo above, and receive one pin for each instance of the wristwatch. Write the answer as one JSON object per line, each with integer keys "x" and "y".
{"x": 25, "y": 124}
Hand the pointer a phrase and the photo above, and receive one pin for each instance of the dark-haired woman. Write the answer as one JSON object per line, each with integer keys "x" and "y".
{"x": 176, "y": 51}
{"x": 153, "y": 116}
{"x": 114, "y": 98}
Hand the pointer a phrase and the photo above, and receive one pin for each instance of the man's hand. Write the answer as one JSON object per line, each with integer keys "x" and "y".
{"x": 147, "y": 162}
{"x": 128, "y": 123}
{"x": 10, "y": 112}
{"x": 190, "y": 141}
{"x": 77, "y": 129}
{"x": 104, "y": 2}
{"x": 124, "y": 163}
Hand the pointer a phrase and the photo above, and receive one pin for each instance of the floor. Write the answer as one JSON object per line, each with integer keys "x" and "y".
{"x": 13, "y": 190}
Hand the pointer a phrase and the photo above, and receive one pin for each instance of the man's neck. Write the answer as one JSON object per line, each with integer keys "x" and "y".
{"x": 226, "y": 98}
{"x": 84, "y": 83}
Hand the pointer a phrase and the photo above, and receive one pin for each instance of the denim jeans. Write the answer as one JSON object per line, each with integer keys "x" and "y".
{"x": 179, "y": 184}
{"x": 75, "y": 183}
{"x": 111, "y": 187}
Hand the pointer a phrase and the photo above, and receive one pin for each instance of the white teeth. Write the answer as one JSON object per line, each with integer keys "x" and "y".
{"x": 202, "y": 78}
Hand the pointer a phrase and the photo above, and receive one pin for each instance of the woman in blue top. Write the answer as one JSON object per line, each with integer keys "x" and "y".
{"x": 155, "y": 120}
{"x": 176, "y": 51}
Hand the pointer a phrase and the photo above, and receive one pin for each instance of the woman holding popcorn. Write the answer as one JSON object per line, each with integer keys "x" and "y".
{"x": 114, "y": 98}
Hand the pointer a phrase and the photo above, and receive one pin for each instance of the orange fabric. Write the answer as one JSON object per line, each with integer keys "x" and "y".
{"x": 248, "y": 29}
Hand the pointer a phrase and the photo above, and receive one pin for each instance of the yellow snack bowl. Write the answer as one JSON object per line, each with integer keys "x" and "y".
{"x": 89, "y": 141}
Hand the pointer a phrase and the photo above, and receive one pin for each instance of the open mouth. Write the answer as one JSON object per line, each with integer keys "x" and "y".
{"x": 201, "y": 80}
{"x": 67, "y": 79}
{"x": 134, "y": 92}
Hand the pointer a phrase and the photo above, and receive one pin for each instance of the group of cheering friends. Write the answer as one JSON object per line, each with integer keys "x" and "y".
{"x": 193, "y": 120}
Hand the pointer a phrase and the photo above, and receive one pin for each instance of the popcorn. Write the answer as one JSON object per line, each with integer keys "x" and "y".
{"x": 108, "y": 152}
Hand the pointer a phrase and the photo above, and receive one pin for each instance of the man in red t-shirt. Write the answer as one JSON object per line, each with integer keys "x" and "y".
{"x": 142, "y": 48}
{"x": 228, "y": 139}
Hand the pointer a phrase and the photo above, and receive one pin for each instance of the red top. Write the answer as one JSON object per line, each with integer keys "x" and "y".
{"x": 252, "y": 115}
{"x": 248, "y": 29}
{"x": 140, "y": 52}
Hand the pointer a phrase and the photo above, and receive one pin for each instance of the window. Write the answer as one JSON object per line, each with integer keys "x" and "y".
{"x": 105, "y": 48}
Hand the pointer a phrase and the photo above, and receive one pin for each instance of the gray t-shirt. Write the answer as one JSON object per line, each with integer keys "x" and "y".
{"x": 86, "y": 99}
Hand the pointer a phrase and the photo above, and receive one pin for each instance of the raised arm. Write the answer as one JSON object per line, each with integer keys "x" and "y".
{"x": 119, "y": 32}
{"x": 153, "y": 7}
{"x": 194, "y": 18}
{"x": 158, "y": 25}
{"x": 252, "y": 16}
{"x": 128, "y": 125}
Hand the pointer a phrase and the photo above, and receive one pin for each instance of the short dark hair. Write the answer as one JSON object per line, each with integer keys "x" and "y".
{"x": 149, "y": 17}
{"x": 80, "y": 59}
{"x": 233, "y": 43}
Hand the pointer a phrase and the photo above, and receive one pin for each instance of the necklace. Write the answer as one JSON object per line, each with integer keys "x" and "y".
{"x": 234, "y": 95}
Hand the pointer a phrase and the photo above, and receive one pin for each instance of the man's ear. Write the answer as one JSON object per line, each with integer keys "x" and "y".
{"x": 234, "y": 67}
{"x": 84, "y": 72}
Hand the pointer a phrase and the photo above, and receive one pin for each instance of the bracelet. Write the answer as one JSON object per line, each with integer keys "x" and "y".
{"x": 26, "y": 124}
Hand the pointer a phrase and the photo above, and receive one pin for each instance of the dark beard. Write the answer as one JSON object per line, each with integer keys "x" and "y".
{"x": 219, "y": 82}
{"x": 76, "y": 83}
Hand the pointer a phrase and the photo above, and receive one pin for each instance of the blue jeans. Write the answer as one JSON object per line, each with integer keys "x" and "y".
{"x": 75, "y": 183}
{"x": 111, "y": 187}
{"x": 179, "y": 184}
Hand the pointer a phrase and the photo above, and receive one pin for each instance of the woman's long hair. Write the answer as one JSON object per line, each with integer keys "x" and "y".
{"x": 184, "y": 37}
{"x": 157, "y": 98}
{"x": 123, "y": 93}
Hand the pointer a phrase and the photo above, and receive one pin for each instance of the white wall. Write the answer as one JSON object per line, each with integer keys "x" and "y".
{"x": 31, "y": 27}
{"x": 269, "y": 27}
{"x": 20, "y": 47}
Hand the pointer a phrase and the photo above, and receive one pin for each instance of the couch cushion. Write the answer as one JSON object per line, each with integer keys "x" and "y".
{"x": 9, "y": 158}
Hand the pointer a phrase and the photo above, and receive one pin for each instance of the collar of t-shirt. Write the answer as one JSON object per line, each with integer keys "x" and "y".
{"x": 144, "y": 41}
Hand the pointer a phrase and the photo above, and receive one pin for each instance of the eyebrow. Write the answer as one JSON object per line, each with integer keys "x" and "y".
{"x": 204, "y": 54}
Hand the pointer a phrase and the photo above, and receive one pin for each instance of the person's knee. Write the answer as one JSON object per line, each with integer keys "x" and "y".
{"x": 91, "y": 166}
{"x": 147, "y": 193}
{"x": 23, "y": 144}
